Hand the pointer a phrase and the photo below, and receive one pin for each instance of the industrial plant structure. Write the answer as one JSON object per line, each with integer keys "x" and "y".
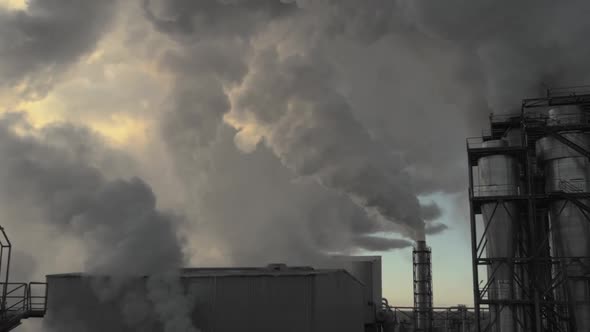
{"x": 18, "y": 300}
{"x": 529, "y": 195}
{"x": 274, "y": 298}
{"x": 530, "y": 216}
{"x": 422, "y": 287}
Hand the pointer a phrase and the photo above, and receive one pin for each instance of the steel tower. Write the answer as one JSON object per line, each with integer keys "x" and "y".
{"x": 529, "y": 195}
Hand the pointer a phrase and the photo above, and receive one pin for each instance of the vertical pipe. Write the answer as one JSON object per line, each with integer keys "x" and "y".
{"x": 531, "y": 240}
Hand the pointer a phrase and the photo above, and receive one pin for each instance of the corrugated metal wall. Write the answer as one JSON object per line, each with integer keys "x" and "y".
{"x": 284, "y": 303}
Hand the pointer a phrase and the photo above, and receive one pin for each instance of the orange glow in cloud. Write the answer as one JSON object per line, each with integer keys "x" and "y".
{"x": 250, "y": 132}
{"x": 123, "y": 130}
{"x": 117, "y": 129}
{"x": 14, "y": 4}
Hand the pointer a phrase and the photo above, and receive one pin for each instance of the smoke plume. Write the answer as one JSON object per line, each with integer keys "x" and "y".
{"x": 375, "y": 243}
{"x": 373, "y": 92}
{"x": 118, "y": 219}
{"x": 123, "y": 231}
{"x": 289, "y": 102}
{"x": 174, "y": 308}
{"x": 311, "y": 128}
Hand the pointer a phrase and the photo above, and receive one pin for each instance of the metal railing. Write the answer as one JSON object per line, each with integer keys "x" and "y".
{"x": 568, "y": 91}
{"x": 24, "y": 300}
{"x": 501, "y": 118}
{"x": 496, "y": 190}
{"x": 478, "y": 142}
{"x": 37, "y": 298}
{"x": 571, "y": 187}
{"x": 535, "y": 117}
{"x": 443, "y": 318}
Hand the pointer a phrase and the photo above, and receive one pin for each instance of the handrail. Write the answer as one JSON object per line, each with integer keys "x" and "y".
{"x": 20, "y": 285}
{"x": 21, "y": 300}
{"x": 495, "y": 118}
{"x": 496, "y": 190}
{"x": 568, "y": 91}
{"x": 41, "y": 305}
{"x": 568, "y": 187}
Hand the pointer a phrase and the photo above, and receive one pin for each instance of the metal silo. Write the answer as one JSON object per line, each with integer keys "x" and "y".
{"x": 567, "y": 172}
{"x": 499, "y": 176}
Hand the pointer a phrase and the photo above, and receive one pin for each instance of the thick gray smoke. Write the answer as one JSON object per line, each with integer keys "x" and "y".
{"x": 289, "y": 101}
{"x": 172, "y": 306}
{"x": 124, "y": 233}
{"x": 338, "y": 90}
{"x": 382, "y": 244}
{"x": 311, "y": 128}
{"x": 117, "y": 219}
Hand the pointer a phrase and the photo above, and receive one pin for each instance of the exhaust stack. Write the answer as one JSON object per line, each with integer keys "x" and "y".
{"x": 422, "y": 287}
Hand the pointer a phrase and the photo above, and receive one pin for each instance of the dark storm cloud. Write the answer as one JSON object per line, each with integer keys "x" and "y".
{"x": 117, "y": 219}
{"x": 38, "y": 43}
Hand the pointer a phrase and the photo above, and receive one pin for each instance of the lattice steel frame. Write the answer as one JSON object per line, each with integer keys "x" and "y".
{"x": 422, "y": 261}
{"x": 536, "y": 273}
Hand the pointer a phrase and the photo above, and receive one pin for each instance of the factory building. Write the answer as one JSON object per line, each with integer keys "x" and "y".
{"x": 530, "y": 216}
{"x": 275, "y": 298}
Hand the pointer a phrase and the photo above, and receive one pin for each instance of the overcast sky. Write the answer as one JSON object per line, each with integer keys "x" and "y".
{"x": 252, "y": 131}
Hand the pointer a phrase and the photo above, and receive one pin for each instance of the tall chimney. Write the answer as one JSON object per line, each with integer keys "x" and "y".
{"x": 422, "y": 287}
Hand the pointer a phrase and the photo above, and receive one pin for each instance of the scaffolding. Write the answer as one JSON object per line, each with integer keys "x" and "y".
{"x": 537, "y": 274}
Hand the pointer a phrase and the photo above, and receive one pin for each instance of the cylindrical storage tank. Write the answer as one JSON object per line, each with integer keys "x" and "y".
{"x": 499, "y": 176}
{"x": 567, "y": 171}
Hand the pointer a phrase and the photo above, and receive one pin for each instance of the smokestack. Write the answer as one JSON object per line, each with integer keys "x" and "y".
{"x": 422, "y": 287}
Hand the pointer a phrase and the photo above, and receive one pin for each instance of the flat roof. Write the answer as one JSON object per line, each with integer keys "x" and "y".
{"x": 230, "y": 272}
{"x": 357, "y": 258}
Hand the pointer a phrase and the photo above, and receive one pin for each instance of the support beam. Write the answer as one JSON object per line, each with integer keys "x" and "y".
{"x": 569, "y": 143}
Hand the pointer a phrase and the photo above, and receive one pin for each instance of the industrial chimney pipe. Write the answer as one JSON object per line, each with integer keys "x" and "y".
{"x": 422, "y": 287}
